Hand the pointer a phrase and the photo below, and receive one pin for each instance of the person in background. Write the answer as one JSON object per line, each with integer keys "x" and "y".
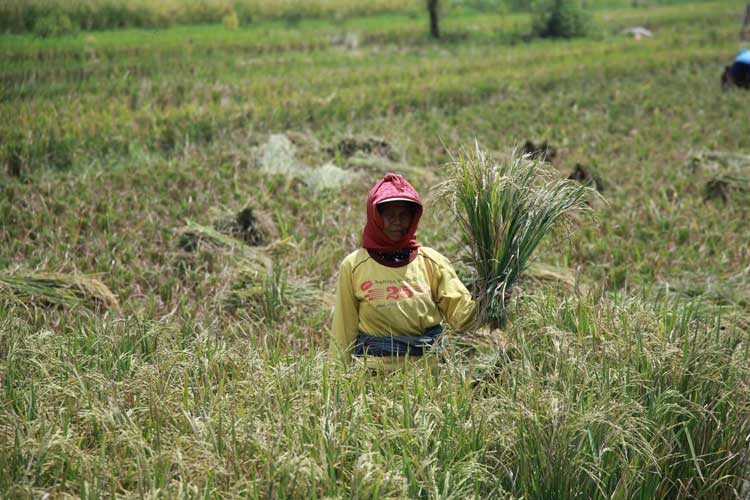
{"x": 738, "y": 74}
{"x": 394, "y": 294}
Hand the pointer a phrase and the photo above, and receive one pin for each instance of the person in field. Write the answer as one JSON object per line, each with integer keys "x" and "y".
{"x": 393, "y": 293}
{"x": 738, "y": 74}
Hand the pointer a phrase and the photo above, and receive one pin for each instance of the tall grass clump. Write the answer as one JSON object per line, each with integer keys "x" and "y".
{"x": 650, "y": 401}
{"x": 560, "y": 19}
{"x": 504, "y": 210}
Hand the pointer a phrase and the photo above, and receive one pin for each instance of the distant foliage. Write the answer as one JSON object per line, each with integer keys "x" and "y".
{"x": 231, "y": 21}
{"x": 481, "y": 5}
{"x": 22, "y": 16}
{"x": 561, "y": 19}
{"x": 54, "y": 24}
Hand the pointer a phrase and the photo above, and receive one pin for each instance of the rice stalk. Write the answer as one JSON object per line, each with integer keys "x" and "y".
{"x": 57, "y": 289}
{"x": 269, "y": 296}
{"x": 504, "y": 210}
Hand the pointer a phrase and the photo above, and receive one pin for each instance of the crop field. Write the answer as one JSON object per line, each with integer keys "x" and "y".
{"x": 175, "y": 202}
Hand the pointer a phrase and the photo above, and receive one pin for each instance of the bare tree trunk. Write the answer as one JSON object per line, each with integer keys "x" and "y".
{"x": 745, "y": 22}
{"x": 432, "y": 6}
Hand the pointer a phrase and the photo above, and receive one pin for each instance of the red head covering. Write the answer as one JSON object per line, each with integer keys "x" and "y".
{"x": 392, "y": 187}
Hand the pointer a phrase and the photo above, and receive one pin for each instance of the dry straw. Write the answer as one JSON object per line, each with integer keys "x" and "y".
{"x": 193, "y": 236}
{"x": 504, "y": 210}
{"x": 57, "y": 289}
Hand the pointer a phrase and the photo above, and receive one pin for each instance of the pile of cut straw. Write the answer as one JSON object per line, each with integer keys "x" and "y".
{"x": 57, "y": 289}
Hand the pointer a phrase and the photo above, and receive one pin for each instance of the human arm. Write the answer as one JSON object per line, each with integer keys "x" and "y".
{"x": 449, "y": 293}
{"x": 345, "y": 324}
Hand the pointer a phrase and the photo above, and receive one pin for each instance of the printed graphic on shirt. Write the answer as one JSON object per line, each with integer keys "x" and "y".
{"x": 391, "y": 291}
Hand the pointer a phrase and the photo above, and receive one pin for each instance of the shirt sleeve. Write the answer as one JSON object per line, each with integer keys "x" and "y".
{"x": 450, "y": 294}
{"x": 345, "y": 315}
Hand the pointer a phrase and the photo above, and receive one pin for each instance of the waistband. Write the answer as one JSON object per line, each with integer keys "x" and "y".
{"x": 398, "y": 345}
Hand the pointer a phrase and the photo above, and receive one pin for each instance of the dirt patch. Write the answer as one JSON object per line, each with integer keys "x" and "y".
{"x": 350, "y": 146}
{"x": 254, "y": 227}
{"x": 195, "y": 237}
{"x": 723, "y": 175}
{"x": 587, "y": 176}
{"x": 722, "y": 187}
{"x": 543, "y": 151}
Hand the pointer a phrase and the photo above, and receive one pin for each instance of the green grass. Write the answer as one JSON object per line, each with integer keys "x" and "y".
{"x": 49, "y": 17}
{"x": 211, "y": 378}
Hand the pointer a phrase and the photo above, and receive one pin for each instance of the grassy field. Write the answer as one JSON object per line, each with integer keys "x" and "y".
{"x": 148, "y": 159}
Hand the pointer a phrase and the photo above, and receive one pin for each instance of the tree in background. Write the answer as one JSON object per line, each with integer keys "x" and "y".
{"x": 432, "y": 7}
{"x": 560, "y": 19}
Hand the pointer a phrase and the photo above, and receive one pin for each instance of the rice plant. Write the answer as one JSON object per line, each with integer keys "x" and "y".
{"x": 269, "y": 296}
{"x": 504, "y": 210}
{"x": 211, "y": 381}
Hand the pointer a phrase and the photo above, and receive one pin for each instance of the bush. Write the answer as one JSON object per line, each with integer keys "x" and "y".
{"x": 561, "y": 19}
{"x": 481, "y": 5}
{"x": 231, "y": 21}
{"x": 54, "y": 24}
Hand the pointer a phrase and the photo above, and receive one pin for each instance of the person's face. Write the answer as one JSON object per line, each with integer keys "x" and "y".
{"x": 397, "y": 217}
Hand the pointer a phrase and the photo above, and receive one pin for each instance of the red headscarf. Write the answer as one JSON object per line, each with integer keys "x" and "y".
{"x": 392, "y": 187}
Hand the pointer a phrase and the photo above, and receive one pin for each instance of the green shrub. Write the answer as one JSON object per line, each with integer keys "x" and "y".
{"x": 481, "y": 5}
{"x": 54, "y": 24}
{"x": 231, "y": 21}
{"x": 561, "y": 19}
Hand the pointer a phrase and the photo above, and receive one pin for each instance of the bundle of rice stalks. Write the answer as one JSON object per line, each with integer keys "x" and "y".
{"x": 718, "y": 161}
{"x": 723, "y": 186}
{"x": 504, "y": 210}
{"x": 192, "y": 236}
{"x": 57, "y": 289}
{"x": 729, "y": 173}
{"x": 254, "y": 227}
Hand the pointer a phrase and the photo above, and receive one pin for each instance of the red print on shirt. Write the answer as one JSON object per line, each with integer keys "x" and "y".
{"x": 375, "y": 294}
{"x": 393, "y": 292}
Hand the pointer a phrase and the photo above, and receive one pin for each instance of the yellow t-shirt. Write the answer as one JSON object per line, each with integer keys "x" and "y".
{"x": 379, "y": 300}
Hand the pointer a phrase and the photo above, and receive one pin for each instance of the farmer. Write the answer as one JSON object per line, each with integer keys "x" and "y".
{"x": 738, "y": 74}
{"x": 393, "y": 293}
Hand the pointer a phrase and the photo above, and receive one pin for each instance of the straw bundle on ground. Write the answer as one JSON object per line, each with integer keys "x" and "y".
{"x": 56, "y": 289}
{"x": 192, "y": 236}
{"x": 726, "y": 173}
{"x": 504, "y": 210}
{"x": 720, "y": 162}
{"x": 251, "y": 225}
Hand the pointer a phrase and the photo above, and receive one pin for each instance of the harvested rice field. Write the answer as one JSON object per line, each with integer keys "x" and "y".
{"x": 178, "y": 188}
